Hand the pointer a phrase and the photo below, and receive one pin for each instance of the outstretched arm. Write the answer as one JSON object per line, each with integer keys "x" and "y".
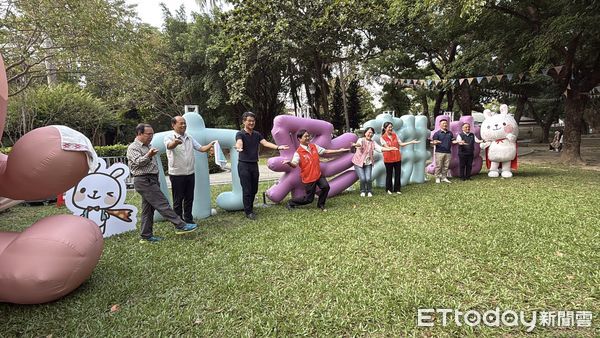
{"x": 270, "y": 145}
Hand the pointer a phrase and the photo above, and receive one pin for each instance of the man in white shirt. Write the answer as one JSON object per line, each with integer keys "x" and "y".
{"x": 180, "y": 156}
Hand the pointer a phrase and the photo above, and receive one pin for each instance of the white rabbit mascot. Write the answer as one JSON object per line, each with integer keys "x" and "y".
{"x": 500, "y": 131}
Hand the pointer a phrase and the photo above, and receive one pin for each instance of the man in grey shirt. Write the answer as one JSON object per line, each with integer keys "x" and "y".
{"x": 144, "y": 168}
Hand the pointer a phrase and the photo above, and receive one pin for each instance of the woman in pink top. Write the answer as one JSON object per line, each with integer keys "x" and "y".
{"x": 363, "y": 160}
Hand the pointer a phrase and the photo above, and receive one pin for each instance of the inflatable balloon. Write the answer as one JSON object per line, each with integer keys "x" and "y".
{"x": 229, "y": 200}
{"x": 284, "y": 131}
{"x": 500, "y": 131}
{"x": 456, "y": 128}
{"x": 414, "y": 156}
{"x": 56, "y": 254}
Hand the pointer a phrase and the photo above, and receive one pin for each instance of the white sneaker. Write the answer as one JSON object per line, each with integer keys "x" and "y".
{"x": 370, "y": 195}
{"x": 362, "y": 194}
{"x": 389, "y": 192}
{"x": 437, "y": 180}
{"x": 398, "y": 192}
{"x": 446, "y": 180}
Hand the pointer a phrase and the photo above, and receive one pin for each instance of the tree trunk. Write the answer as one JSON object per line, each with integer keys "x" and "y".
{"x": 438, "y": 103}
{"x": 520, "y": 108}
{"x": 450, "y": 103}
{"x": 344, "y": 98}
{"x": 464, "y": 100}
{"x": 574, "y": 105}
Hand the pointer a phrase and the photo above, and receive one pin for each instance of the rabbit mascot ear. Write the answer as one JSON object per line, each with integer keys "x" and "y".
{"x": 56, "y": 254}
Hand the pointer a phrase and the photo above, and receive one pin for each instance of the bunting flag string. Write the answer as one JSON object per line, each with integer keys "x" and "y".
{"x": 490, "y": 78}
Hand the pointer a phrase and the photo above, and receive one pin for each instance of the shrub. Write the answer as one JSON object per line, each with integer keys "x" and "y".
{"x": 120, "y": 150}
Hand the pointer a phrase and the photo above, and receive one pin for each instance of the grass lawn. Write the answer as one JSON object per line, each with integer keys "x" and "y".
{"x": 531, "y": 243}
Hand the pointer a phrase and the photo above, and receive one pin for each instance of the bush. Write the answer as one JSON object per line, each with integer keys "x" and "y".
{"x": 63, "y": 104}
{"x": 120, "y": 150}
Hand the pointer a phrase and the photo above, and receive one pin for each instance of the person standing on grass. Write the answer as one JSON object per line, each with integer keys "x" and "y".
{"x": 180, "y": 157}
{"x": 363, "y": 160}
{"x": 248, "y": 142}
{"x": 308, "y": 157}
{"x": 392, "y": 159}
{"x": 466, "y": 148}
{"x": 442, "y": 140}
{"x": 144, "y": 169}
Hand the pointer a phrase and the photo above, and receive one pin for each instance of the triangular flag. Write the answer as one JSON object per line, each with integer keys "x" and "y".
{"x": 429, "y": 82}
{"x": 470, "y": 79}
{"x": 557, "y": 69}
{"x": 521, "y": 76}
{"x": 545, "y": 71}
{"x": 509, "y": 77}
{"x": 499, "y": 77}
{"x": 569, "y": 85}
{"x": 460, "y": 81}
{"x": 489, "y": 78}
{"x": 479, "y": 79}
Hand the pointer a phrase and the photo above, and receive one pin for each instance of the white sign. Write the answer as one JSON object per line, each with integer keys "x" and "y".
{"x": 100, "y": 196}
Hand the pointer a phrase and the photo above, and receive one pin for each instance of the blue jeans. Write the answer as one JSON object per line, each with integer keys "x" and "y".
{"x": 364, "y": 176}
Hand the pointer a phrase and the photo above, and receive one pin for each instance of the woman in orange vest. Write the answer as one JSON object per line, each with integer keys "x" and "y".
{"x": 363, "y": 160}
{"x": 392, "y": 159}
{"x": 307, "y": 156}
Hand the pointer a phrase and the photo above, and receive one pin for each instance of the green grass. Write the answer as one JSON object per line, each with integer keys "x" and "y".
{"x": 362, "y": 268}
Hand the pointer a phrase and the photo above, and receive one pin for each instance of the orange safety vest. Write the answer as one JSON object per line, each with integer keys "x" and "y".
{"x": 310, "y": 166}
{"x": 394, "y": 155}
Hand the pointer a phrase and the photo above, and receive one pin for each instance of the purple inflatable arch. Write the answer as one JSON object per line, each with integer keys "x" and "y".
{"x": 284, "y": 131}
{"x": 456, "y": 128}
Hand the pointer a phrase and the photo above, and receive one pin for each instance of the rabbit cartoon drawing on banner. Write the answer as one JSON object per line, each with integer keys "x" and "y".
{"x": 100, "y": 195}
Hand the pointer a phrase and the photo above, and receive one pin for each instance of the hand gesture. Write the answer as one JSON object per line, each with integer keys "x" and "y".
{"x": 152, "y": 152}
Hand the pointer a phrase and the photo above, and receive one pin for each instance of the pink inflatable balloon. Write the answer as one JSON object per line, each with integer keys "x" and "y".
{"x": 56, "y": 254}
{"x": 284, "y": 131}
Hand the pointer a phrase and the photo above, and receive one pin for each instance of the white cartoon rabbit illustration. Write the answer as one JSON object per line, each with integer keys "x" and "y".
{"x": 100, "y": 195}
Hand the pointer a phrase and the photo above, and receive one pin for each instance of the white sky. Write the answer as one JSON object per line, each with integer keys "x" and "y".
{"x": 149, "y": 11}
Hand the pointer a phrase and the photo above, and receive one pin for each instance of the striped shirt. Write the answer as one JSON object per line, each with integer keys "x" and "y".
{"x": 138, "y": 160}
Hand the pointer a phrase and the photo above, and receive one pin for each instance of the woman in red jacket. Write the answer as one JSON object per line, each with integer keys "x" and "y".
{"x": 363, "y": 160}
{"x": 392, "y": 159}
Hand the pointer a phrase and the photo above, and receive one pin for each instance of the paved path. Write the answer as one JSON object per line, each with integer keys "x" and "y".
{"x": 225, "y": 177}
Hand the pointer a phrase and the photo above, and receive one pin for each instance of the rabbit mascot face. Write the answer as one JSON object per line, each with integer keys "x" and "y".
{"x": 500, "y": 131}
{"x": 56, "y": 254}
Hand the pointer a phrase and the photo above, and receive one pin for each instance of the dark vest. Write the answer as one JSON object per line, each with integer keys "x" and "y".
{"x": 469, "y": 147}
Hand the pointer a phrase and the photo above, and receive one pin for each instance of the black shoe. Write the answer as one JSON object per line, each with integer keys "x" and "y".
{"x": 289, "y": 206}
{"x": 251, "y": 216}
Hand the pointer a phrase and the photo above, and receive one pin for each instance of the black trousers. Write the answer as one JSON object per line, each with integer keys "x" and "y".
{"x": 393, "y": 169}
{"x": 183, "y": 195}
{"x": 153, "y": 199}
{"x": 465, "y": 163}
{"x": 311, "y": 189}
{"x": 248, "y": 172}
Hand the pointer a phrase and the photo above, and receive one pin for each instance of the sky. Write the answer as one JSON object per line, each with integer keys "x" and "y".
{"x": 149, "y": 11}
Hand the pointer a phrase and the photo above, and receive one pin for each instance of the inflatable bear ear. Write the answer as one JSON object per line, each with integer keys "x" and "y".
{"x": 503, "y": 109}
{"x": 488, "y": 113}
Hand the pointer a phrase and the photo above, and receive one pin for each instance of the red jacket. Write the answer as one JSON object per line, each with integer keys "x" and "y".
{"x": 394, "y": 155}
{"x": 310, "y": 165}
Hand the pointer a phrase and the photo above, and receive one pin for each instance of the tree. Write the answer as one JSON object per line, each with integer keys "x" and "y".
{"x": 561, "y": 35}
{"x": 337, "y": 107}
{"x": 54, "y": 39}
{"x": 354, "y": 112}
